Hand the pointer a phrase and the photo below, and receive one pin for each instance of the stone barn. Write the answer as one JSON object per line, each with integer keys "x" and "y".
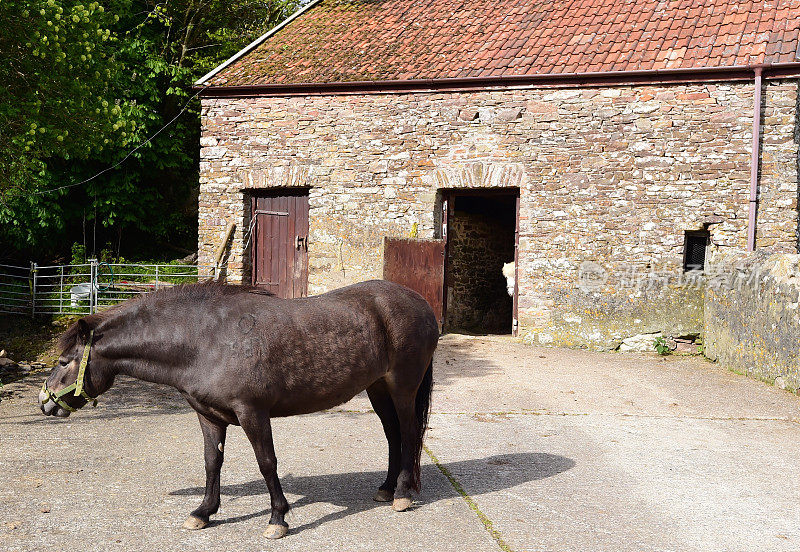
{"x": 611, "y": 148}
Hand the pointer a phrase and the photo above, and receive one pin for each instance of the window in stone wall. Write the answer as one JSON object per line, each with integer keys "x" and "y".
{"x": 694, "y": 252}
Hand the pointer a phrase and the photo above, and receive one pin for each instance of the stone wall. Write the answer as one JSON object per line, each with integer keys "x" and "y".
{"x": 752, "y": 320}
{"x": 609, "y": 178}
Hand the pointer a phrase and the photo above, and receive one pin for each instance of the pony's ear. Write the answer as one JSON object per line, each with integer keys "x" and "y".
{"x": 83, "y": 331}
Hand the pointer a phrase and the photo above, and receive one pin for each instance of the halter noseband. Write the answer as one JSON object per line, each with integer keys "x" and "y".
{"x": 55, "y": 396}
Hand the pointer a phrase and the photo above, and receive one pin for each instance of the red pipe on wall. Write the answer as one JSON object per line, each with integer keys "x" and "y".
{"x": 754, "y": 162}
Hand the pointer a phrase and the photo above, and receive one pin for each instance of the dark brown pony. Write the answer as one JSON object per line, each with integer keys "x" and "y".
{"x": 241, "y": 356}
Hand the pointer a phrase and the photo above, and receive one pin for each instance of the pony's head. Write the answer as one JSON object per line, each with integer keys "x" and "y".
{"x": 71, "y": 384}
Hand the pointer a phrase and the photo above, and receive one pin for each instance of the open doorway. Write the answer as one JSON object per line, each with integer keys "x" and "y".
{"x": 481, "y": 238}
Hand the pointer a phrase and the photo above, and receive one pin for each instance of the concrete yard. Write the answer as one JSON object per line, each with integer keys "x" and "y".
{"x": 537, "y": 449}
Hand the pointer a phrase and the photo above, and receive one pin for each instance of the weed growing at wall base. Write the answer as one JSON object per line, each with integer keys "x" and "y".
{"x": 661, "y": 346}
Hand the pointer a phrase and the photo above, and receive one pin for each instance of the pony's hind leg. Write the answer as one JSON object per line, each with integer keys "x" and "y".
{"x": 258, "y": 429}
{"x": 214, "y": 443}
{"x": 384, "y": 407}
{"x": 412, "y": 405}
{"x": 408, "y": 432}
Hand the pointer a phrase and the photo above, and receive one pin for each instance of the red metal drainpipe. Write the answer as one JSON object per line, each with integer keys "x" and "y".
{"x": 515, "y": 302}
{"x": 754, "y": 162}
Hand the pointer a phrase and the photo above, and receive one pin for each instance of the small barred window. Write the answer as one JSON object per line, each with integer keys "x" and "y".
{"x": 694, "y": 254}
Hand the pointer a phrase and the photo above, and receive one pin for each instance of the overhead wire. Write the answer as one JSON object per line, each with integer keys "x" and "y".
{"x": 134, "y": 150}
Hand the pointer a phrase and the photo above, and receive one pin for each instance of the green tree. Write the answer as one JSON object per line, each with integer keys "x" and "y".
{"x": 147, "y": 55}
{"x": 57, "y": 96}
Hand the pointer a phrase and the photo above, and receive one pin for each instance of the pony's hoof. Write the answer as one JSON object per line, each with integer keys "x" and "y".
{"x": 194, "y": 523}
{"x": 401, "y": 504}
{"x": 383, "y": 496}
{"x": 276, "y": 531}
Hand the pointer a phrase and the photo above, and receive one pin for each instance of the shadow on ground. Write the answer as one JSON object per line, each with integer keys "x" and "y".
{"x": 459, "y": 356}
{"x": 127, "y": 397}
{"x": 353, "y": 491}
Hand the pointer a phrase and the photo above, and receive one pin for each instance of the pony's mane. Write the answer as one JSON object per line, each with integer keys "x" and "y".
{"x": 202, "y": 291}
{"x": 67, "y": 339}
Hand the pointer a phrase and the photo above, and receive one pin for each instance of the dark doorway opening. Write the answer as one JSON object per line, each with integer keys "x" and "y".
{"x": 481, "y": 238}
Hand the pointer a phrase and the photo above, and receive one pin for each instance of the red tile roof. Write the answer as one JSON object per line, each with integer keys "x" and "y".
{"x": 389, "y": 40}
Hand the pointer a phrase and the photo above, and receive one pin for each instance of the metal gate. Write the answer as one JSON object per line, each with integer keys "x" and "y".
{"x": 418, "y": 265}
{"x": 87, "y": 288}
{"x": 280, "y": 242}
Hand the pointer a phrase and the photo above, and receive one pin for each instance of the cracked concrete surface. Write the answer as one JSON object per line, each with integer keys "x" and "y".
{"x": 558, "y": 450}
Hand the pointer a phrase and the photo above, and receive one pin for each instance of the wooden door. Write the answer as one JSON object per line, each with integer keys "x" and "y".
{"x": 418, "y": 265}
{"x": 280, "y": 242}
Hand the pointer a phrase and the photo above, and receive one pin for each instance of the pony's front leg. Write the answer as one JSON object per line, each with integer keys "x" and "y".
{"x": 256, "y": 426}
{"x": 214, "y": 444}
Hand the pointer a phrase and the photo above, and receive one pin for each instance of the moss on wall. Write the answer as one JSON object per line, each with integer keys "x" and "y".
{"x": 601, "y": 320}
{"x": 753, "y": 325}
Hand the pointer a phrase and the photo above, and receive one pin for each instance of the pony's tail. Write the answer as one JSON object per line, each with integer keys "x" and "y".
{"x": 422, "y": 405}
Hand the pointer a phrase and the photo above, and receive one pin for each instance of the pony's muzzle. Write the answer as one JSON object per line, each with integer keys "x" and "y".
{"x": 50, "y": 408}
{"x": 47, "y": 407}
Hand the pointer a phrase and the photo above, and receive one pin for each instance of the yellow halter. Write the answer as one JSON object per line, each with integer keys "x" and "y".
{"x": 55, "y": 396}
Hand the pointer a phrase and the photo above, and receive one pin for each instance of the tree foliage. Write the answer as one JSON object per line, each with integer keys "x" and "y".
{"x": 56, "y": 100}
{"x": 93, "y": 82}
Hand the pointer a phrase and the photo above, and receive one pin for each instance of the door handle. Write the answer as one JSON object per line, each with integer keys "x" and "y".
{"x": 301, "y": 242}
